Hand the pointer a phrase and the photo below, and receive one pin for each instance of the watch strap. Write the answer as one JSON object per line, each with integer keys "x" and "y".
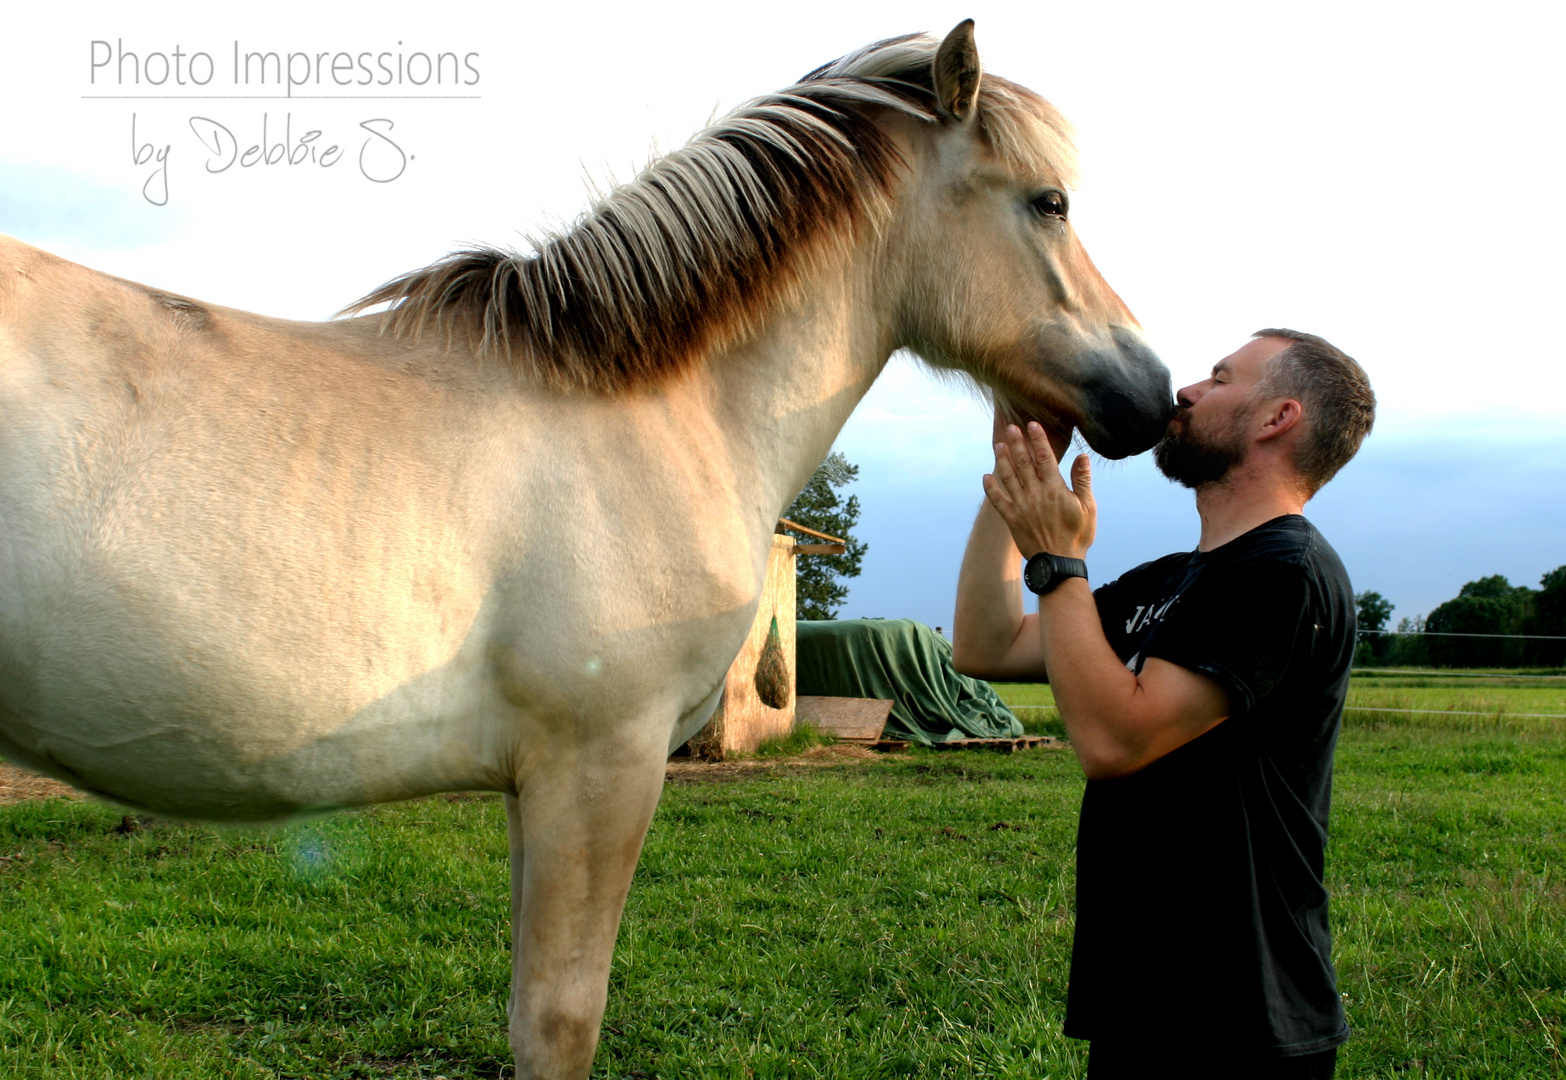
{"x": 1045, "y": 571}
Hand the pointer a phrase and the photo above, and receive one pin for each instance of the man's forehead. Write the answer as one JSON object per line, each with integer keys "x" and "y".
{"x": 1251, "y": 357}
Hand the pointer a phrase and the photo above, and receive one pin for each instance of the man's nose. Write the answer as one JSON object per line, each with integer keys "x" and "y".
{"x": 1186, "y": 396}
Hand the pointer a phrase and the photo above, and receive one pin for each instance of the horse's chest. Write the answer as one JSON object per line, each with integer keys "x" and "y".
{"x": 609, "y": 639}
{"x": 629, "y": 583}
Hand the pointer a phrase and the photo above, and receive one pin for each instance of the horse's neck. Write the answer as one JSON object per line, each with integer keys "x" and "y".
{"x": 782, "y": 397}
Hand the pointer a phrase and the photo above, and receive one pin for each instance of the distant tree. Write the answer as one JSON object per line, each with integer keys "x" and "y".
{"x": 1549, "y": 619}
{"x": 819, "y": 591}
{"x": 1374, "y": 611}
{"x": 1491, "y": 605}
{"x": 1408, "y": 647}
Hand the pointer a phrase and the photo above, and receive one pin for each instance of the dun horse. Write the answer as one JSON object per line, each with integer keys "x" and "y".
{"x": 252, "y": 568}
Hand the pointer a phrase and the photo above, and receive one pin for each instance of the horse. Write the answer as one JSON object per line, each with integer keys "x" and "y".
{"x": 252, "y": 568}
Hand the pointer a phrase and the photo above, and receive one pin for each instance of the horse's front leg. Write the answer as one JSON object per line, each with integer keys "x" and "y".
{"x": 576, "y": 825}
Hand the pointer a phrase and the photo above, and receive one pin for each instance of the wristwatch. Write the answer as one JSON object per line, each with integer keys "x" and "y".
{"x": 1044, "y": 571}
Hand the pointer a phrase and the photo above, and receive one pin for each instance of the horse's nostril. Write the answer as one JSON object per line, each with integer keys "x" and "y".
{"x": 1126, "y": 418}
{"x": 1115, "y": 408}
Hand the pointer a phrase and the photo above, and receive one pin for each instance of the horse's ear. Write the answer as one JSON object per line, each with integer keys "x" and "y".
{"x": 957, "y": 73}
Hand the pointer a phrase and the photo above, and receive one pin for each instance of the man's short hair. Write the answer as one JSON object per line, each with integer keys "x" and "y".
{"x": 1339, "y": 405}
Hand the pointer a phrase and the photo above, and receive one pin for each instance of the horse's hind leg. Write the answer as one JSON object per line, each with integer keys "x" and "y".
{"x": 576, "y": 831}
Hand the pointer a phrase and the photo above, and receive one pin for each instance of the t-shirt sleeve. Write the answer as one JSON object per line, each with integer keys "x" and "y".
{"x": 1115, "y": 602}
{"x": 1110, "y": 600}
{"x": 1239, "y": 628}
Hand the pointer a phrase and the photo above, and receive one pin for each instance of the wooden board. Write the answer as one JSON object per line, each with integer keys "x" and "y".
{"x": 849, "y": 719}
{"x": 743, "y": 721}
{"x": 1002, "y": 746}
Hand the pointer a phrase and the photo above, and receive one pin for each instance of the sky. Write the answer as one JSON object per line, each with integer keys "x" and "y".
{"x": 1382, "y": 174}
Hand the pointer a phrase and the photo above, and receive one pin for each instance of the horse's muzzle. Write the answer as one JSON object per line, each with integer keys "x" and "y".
{"x": 1126, "y": 409}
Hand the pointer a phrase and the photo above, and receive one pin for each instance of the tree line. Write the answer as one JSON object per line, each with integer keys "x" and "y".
{"x": 1490, "y": 606}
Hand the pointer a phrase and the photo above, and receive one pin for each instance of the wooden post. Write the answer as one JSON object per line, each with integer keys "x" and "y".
{"x": 743, "y": 721}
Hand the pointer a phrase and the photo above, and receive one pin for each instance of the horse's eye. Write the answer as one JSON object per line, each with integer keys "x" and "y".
{"x": 1051, "y": 204}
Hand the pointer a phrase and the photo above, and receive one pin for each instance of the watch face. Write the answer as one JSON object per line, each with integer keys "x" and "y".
{"x": 1037, "y": 573}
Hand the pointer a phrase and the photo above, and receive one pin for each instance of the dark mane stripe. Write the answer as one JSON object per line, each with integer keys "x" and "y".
{"x": 690, "y": 254}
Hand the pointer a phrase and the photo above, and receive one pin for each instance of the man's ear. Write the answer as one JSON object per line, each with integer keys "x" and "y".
{"x": 1284, "y": 415}
{"x": 957, "y": 73}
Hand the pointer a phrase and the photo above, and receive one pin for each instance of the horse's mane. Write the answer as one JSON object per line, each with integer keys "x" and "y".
{"x": 691, "y": 253}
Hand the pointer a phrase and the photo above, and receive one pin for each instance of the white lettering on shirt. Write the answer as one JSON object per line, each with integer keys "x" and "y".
{"x": 1148, "y": 614}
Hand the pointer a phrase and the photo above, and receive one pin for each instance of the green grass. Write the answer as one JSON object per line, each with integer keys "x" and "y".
{"x": 1503, "y": 697}
{"x": 1034, "y": 704}
{"x": 334, "y": 948}
{"x": 906, "y": 917}
{"x": 803, "y": 737}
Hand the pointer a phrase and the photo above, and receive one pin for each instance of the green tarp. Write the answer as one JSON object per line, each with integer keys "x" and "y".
{"x": 908, "y": 663}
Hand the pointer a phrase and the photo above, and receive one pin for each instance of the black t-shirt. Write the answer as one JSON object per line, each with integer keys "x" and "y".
{"x": 1201, "y": 913}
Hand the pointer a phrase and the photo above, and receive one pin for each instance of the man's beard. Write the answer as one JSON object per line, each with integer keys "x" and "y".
{"x": 1196, "y": 460}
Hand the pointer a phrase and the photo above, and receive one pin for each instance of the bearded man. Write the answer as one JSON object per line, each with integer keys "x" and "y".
{"x": 1202, "y": 693}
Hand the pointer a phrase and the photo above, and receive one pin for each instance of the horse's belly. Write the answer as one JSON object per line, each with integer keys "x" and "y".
{"x": 194, "y": 693}
{"x": 206, "y": 748}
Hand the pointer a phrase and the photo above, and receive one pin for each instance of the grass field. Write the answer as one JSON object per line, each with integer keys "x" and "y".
{"x": 906, "y": 917}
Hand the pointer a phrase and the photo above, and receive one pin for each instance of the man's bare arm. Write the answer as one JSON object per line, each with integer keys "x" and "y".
{"x": 992, "y": 637}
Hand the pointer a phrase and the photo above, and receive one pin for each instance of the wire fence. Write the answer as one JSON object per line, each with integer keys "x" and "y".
{"x": 1547, "y": 679}
{"x": 1391, "y": 709}
{"x": 1456, "y": 673}
{"x": 1453, "y": 633}
{"x": 1497, "y": 713}
{"x": 1518, "y": 678}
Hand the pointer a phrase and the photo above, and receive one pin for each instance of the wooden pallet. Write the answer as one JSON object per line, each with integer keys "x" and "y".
{"x": 1000, "y": 746}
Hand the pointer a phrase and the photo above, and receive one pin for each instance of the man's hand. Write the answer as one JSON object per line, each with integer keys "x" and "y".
{"x": 1027, "y": 491}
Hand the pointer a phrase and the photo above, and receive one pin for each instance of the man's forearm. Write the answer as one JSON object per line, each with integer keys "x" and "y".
{"x": 1117, "y": 721}
{"x": 1092, "y": 687}
{"x": 992, "y": 636}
